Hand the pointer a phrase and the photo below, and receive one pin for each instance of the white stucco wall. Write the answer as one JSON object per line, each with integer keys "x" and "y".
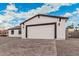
{"x": 61, "y": 31}
{"x": 44, "y": 19}
{"x": 15, "y": 33}
{"x": 23, "y": 31}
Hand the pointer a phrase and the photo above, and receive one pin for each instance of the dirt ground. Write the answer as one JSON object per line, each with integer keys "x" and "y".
{"x": 38, "y": 47}
{"x": 26, "y": 47}
{"x": 68, "y": 47}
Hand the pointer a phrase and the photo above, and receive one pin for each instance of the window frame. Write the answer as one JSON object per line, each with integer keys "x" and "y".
{"x": 19, "y": 32}
{"x": 12, "y": 32}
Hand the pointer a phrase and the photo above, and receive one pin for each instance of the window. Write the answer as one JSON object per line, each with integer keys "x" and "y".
{"x": 19, "y": 31}
{"x": 12, "y": 31}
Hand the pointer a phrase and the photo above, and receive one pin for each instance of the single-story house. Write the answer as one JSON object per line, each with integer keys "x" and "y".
{"x": 14, "y": 32}
{"x": 44, "y": 27}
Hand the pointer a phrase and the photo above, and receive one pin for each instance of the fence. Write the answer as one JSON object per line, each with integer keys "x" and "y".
{"x": 74, "y": 34}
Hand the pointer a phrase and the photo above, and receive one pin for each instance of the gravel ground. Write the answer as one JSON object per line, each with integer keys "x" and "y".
{"x": 26, "y": 47}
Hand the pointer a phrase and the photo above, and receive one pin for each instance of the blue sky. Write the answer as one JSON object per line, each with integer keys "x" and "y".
{"x": 13, "y": 14}
{"x": 65, "y": 9}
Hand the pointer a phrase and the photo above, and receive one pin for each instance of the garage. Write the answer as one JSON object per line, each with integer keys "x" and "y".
{"x": 43, "y": 26}
{"x": 41, "y": 31}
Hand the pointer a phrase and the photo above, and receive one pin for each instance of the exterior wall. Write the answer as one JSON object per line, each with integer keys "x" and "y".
{"x": 44, "y": 19}
{"x": 23, "y": 31}
{"x": 15, "y": 33}
{"x": 61, "y": 31}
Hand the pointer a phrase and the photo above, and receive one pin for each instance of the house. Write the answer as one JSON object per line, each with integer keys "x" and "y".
{"x": 3, "y": 33}
{"x": 14, "y": 32}
{"x": 44, "y": 27}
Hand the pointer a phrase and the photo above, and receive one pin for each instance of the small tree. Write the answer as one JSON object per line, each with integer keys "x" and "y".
{"x": 76, "y": 28}
{"x": 78, "y": 25}
{"x": 70, "y": 26}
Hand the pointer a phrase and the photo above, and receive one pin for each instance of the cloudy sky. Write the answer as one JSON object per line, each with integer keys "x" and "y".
{"x": 13, "y": 14}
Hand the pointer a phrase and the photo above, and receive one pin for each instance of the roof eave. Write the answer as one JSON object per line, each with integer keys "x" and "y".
{"x": 44, "y": 15}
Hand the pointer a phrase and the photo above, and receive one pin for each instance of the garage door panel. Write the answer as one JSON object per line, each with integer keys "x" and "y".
{"x": 41, "y": 32}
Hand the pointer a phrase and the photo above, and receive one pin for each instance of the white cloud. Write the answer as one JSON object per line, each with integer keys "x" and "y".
{"x": 5, "y": 26}
{"x": 10, "y": 14}
{"x": 1, "y": 22}
{"x": 75, "y": 17}
{"x": 47, "y": 8}
{"x": 6, "y": 17}
{"x": 68, "y": 14}
{"x": 56, "y": 6}
{"x": 76, "y": 12}
{"x": 11, "y": 7}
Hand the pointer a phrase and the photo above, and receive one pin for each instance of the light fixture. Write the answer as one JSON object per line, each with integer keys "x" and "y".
{"x": 59, "y": 21}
